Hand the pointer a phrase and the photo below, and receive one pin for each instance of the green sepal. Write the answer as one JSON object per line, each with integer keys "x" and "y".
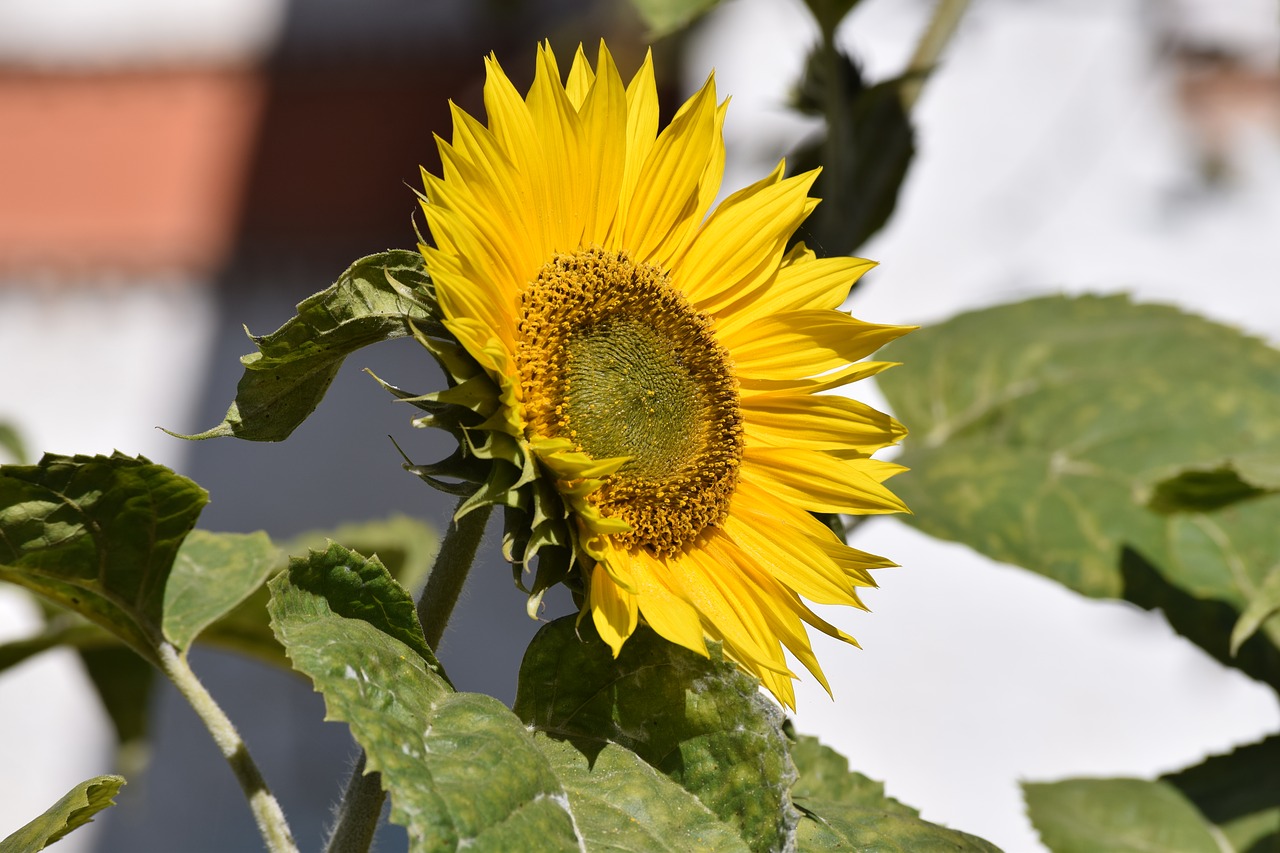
{"x": 74, "y": 810}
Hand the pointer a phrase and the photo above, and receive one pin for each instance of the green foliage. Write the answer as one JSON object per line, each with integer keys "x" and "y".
{"x": 11, "y": 443}
{"x": 664, "y": 17}
{"x": 864, "y": 151}
{"x": 1043, "y": 433}
{"x": 378, "y": 298}
{"x": 843, "y": 811}
{"x": 1240, "y": 792}
{"x": 213, "y": 573}
{"x": 1117, "y": 815}
{"x": 123, "y": 681}
{"x": 702, "y": 722}
{"x": 74, "y": 810}
{"x": 98, "y": 535}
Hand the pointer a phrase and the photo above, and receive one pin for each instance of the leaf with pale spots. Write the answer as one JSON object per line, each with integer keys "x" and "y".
{"x": 1055, "y": 433}
{"x": 702, "y": 722}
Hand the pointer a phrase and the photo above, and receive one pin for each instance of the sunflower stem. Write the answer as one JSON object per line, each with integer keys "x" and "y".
{"x": 361, "y": 805}
{"x": 942, "y": 26}
{"x": 265, "y": 807}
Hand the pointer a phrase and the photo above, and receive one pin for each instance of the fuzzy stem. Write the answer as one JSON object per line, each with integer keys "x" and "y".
{"x": 361, "y": 804}
{"x": 266, "y": 810}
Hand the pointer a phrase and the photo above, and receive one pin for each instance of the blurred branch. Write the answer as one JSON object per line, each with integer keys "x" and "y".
{"x": 942, "y": 26}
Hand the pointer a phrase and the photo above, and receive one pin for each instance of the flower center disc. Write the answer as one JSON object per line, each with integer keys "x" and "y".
{"x": 614, "y": 359}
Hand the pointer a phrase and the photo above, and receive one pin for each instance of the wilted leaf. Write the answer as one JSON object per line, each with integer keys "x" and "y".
{"x": 375, "y": 300}
{"x": 74, "y": 810}
{"x": 702, "y": 722}
{"x": 1117, "y": 815}
{"x": 98, "y": 535}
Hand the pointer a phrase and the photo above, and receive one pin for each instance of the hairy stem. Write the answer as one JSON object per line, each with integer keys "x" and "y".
{"x": 361, "y": 804}
{"x": 266, "y": 810}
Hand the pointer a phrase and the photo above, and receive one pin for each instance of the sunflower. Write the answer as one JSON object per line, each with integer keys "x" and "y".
{"x": 644, "y": 379}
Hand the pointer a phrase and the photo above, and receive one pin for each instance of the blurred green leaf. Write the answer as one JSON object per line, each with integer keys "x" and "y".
{"x": 376, "y": 299}
{"x": 842, "y": 810}
{"x": 1201, "y": 491}
{"x": 864, "y": 151}
{"x": 124, "y": 682}
{"x": 213, "y": 573}
{"x": 98, "y": 535}
{"x": 829, "y": 13}
{"x": 664, "y": 17}
{"x": 621, "y": 803}
{"x": 1240, "y": 792}
{"x": 702, "y": 722}
{"x": 1264, "y": 606}
{"x": 64, "y": 630}
{"x": 12, "y": 444}
{"x": 1118, "y": 816}
{"x": 1042, "y": 432}
{"x": 74, "y": 810}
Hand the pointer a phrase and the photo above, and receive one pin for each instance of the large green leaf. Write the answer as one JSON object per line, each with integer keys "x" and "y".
{"x": 124, "y": 683}
{"x": 1054, "y": 432}
{"x": 1118, "y": 816}
{"x": 621, "y": 803}
{"x": 702, "y": 722}
{"x": 461, "y": 769}
{"x": 74, "y": 810}
{"x": 843, "y": 810}
{"x": 376, "y": 299}
{"x": 1240, "y": 792}
{"x": 98, "y": 535}
{"x": 213, "y": 573}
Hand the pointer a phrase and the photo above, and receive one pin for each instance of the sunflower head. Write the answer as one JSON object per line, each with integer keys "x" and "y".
{"x": 637, "y": 378}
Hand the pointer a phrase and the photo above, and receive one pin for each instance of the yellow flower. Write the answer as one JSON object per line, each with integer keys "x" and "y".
{"x": 653, "y": 411}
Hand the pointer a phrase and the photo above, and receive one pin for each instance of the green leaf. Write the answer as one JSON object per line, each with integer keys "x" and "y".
{"x": 1043, "y": 432}
{"x": 843, "y": 810}
{"x": 1264, "y": 605}
{"x": 664, "y": 17}
{"x": 1240, "y": 792}
{"x": 702, "y": 722}
{"x": 11, "y": 443}
{"x": 621, "y": 803}
{"x": 376, "y": 299}
{"x": 124, "y": 683}
{"x": 864, "y": 152}
{"x": 64, "y": 630}
{"x": 213, "y": 573}
{"x": 829, "y": 13}
{"x": 98, "y": 535}
{"x": 74, "y": 810}
{"x": 1117, "y": 815}
{"x": 404, "y": 545}
{"x": 460, "y": 767}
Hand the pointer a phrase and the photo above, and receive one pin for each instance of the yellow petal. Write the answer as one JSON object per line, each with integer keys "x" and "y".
{"x": 818, "y": 422}
{"x": 818, "y": 482}
{"x": 613, "y": 610}
{"x": 804, "y": 343}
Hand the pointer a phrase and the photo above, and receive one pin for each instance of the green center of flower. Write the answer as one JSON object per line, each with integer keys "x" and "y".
{"x": 614, "y": 359}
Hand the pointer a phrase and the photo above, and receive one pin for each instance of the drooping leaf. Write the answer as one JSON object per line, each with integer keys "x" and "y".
{"x": 621, "y": 803}
{"x": 1117, "y": 815}
{"x": 74, "y": 810}
{"x": 664, "y": 17}
{"x": 213, "y": 573}
{"x": 864, "y": 150}
{"x": 98, "y": 535}
{"x": 124, "y": 682}
{"x": 1240, "y": 792}
{"x": 459, "y": 766}
{"x": 1043, "y": 431}
{"x": 841, "y": 810}
{"x": 702, "y": 722}
{"x": 376, "y": 299}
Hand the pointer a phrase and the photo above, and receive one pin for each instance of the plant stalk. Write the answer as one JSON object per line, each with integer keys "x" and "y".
{"x": 362, "y": 800}
{"x": 942, "y": 26}
{"x": 266, "y": 810}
